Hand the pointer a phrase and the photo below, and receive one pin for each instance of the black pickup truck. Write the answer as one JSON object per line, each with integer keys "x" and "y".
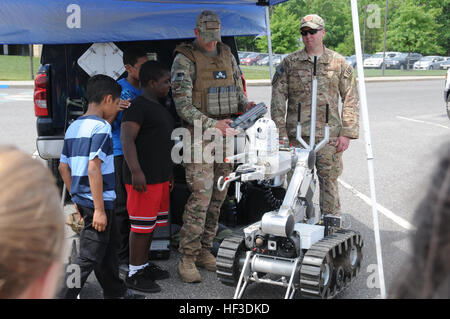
{"x": 60, "y": 89}
{"x": 60, "y": 97}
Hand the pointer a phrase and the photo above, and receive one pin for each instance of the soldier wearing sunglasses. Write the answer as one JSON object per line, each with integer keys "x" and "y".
{"x": 292, "y": 82}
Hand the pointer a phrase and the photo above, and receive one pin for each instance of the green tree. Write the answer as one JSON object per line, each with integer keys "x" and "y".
{"x": 247, "y": 43}
{"x": 413, "y": 25}
{"x": 413, "y": 29}
{"x": 442, "y": 19}
{"x": 347, "y": 47}
{"x": 284, "y": 26}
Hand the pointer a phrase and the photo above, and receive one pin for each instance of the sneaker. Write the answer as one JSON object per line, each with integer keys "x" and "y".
{"x": 141, "y": 282}
{"x": 155, "y": 272}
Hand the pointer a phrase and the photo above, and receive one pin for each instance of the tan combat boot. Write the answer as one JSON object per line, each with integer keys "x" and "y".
{"x": 187, "y": 270}
{"x": 206, "y": 260}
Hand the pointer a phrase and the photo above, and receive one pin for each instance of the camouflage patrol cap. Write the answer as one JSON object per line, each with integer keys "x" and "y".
{"x": 313, "y": 21}
{"x": 208, "y": 25}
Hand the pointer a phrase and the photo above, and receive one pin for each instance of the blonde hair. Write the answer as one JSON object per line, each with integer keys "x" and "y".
{"x": 31, "y": 221}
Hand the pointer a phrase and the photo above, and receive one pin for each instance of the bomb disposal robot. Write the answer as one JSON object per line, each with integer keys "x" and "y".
{"x": 306, "y": 252}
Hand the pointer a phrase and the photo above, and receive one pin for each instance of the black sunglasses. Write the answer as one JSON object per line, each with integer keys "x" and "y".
{"x": 310, "y": 31}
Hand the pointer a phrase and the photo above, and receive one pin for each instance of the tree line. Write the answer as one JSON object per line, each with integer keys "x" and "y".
{"x": 420, "y": 26}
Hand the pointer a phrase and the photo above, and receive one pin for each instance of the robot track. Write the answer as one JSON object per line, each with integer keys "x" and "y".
{"x": 327, "y": 268}
{"x": 331, "y": 264}
{"x": 227, "y": 261}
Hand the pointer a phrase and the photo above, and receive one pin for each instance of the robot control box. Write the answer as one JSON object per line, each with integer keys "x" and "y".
{"x": 309, "y": 234}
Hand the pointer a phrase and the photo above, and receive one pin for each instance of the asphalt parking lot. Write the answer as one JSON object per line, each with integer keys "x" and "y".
{"x": 408, "y": 124}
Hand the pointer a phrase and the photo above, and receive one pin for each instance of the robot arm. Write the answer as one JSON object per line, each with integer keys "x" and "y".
{"x": 263, "y": 160}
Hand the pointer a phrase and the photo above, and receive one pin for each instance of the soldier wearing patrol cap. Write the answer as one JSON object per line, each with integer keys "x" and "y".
{"x": 207, "y": 89}
{"x": 335, "y": 78}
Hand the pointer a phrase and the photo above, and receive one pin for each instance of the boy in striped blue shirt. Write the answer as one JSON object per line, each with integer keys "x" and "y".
{"x": 87, "y": 168}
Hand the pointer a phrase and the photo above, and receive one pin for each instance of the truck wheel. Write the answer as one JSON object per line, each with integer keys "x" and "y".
{"x": 53, "y": 164}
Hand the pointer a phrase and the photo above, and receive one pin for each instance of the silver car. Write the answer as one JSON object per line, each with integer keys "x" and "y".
{"x": 431, "y": 62}
{"x": 446, "y": 65}
{"x": 352, "y": 59}
{"x": 276, "y": 59}
{"x": 265, "y": 60}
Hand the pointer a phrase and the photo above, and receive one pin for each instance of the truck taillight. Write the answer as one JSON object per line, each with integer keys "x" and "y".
{"x": 244, "y": 85}
{"x": 40, "y": 95}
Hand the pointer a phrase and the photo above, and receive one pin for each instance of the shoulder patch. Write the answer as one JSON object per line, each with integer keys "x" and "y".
{"x": 178, "y": 76}
{"x": 348, "y": 71}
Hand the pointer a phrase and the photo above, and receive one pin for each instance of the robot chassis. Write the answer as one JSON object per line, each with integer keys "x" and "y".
{"x": 306, "y": 252}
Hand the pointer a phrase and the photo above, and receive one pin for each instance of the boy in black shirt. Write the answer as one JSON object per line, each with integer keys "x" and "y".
{"x": 146, "y": 141}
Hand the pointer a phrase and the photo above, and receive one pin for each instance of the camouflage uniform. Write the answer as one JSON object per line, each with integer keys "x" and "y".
{"x": 201, "y": 215}
{"x": 293, "y": 82}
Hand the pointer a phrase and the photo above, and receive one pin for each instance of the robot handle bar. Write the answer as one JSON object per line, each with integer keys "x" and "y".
{"x": 230, "y": 178}
{"x": 236, "y": 157}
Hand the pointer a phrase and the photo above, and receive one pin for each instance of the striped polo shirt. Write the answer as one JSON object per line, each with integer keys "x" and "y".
{"x": 87, "y": 138}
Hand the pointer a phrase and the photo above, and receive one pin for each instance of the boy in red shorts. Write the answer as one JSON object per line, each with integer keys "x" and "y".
{"x": 146, "y": 142}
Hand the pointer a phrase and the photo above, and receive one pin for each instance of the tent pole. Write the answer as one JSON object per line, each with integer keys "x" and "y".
{"x": 31, "y": 61}
{"x": 365, "y": 118}
{"x": 269, "y": 41}
{"x": 383, "y": 66}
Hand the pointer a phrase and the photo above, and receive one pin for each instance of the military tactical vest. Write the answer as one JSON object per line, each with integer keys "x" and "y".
{"x": 214, "y": 91}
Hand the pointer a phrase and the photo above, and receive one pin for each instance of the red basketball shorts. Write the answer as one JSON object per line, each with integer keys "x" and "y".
{"x": 148, "y": 210}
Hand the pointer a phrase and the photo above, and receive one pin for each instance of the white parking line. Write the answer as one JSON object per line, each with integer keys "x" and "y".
{"x": 386, "y": 212}
{"x": 19, "y": 97}
{"x": 423, "y": 122}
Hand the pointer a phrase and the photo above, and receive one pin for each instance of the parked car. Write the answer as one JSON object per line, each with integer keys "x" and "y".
{"x": 447, "y": 92}
{"x": 402, "y": 61}
{"x": 376, "y": 61}
{"x": 431, "y": 62}
{"x": 276, "y": 59}
{"x": 243, "y": 54}
{"x": 446, "y": 64}
{"x": 352, "y": 59}
{"x": 251, "y": 59}
{"x": 263, "y": 61}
